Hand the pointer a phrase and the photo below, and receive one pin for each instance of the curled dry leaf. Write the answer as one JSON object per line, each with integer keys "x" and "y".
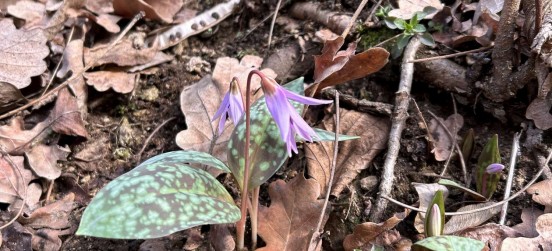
{"x": 541, "y": 242}
{"x": 120, "y": 82}
{"x": 529, "y": 218}
{"x": 43, "y": 160}
{"x": 9, "y": 96}
{"x": 292, "y": 216}
{"x": 55, "y": 215}
{"x": 200, "y": 101}
{"x": 542, "y": 194}
{"x": 354, "y": 155}
{"x": 443, "y": 143}
{"x": 162, "y": 10}
{"x": 11, "y": 184}
{"x": 334, "y": 67}
{"x": 22, "y": 54}
{"x": 464, "y": 221}
{"x": 73, "y": 61}
{"x": 426, "y": 192}
{"x": 14, "y": 138}
{"x": 492, "y": 234}
{"x": 408, "y": 8}
{"x": 539, "y": 112}
{"x": 65, "y": 117}
{"x": 366, "y": 234}
{"x": 130, "y": 51}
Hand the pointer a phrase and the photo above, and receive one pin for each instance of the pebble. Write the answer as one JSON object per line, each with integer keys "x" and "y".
{"x": 369, "y": 183}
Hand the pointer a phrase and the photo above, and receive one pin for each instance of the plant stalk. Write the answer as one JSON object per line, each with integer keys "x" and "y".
{"x": 254, "y": 217}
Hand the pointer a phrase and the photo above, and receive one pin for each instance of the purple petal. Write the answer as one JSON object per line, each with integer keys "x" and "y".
{"x": 279, "y": 109}
{"x": 305, "y": 100}
{"x": 223, "y": 107}
{"x": 222, "y": 121}
{"x": 495, "y": 168}
{"x": 236, "y": 108}
{"x": 301, "y": 127}
{"x": 290, "y": 143}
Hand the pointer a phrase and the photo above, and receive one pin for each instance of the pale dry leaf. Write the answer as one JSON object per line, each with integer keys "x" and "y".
{"x": 365, "y": 234}
{"x": 408, "y": 8}
{"x": 73, "y": 61}
{"x": 9, "y": 96}
{"x": 529, "y": 217}
{"x": 22, "y": 54}
{"x": 119, "y": 81}
{"x": 542, "y": 193}
{"x": 539, "y": 112}
{"x": 43, "y": 160}
{"x": 158, "y": 59}
{"x": 30, "y": 11}
{"x": 460, "y": 222}
{"x": 109, "y": 22}
{"x": 492, "y": 234}
{"x": 100, "y": 6}
{"x": 10, "y": 179}
{"x": 34, "y": 192}
{"x": 162, "y": 10}
{"x": 353, "y": 156}
{"x": 5, "y": 3}
{"x": 443, "y": 142}
{"x": 541, "y": 242}
{"x": 184, "y": 15}
{"x": 54, "y": 215}
{"x": 492, "y": 7}
{"x": 125, "y": 53}
{"x": 426, "y": 192}
{"x": 14, "y": 138}
{"x": 200, "y": 101}
{"x": 288, "y": 222}
{"x": 66, "y": 117}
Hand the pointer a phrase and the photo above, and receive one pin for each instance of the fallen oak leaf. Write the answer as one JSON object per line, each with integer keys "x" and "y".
{"x": 14, "y": 137}
{"x": 408, "y": 8}
{"x": 65, "y": 117}
{"x": 288, "y": 222}
{"x": 426, "y": 192}
{"x": 128, "y": 52}
{"x": 54, "y": 215}
{"x": 542, "y": 194}
{"x": 539, "y": 112}
{"x": 365, "y": 234}
{"x": 30, "y": 11}
{"x": 43, "y": 159}
{"x": 492, "y": 234}
{"x": 119, "y": 81}
{"x": 541, "y": 242}
{"x": 527, "y": 226}
{"x": 12, "y": 185}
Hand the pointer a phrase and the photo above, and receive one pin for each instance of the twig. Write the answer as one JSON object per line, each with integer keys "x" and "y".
{"x": 79, "y": 73}
{"x": 387, "y": 40}
{"x": 458, "y": 149}
{"x": 354, "y": 18}
{"x": 273, "y": 22}
{"x": 400, "y": 114}
{"x": 373, "y": 11}
{"x": 452, "y": 146}
{"x": 151, "y": 136}
{"x": 24, "y": 197}
{"x": 334, "y": 163}
{"x": 450, "y": 55}
{"x": 423, "y": 210}
{"x": 59, "y": 63}
{"x": 508, "y": 189}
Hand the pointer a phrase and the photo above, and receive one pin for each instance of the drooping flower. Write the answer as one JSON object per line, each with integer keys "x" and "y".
{"x": 232, "y": 105}
{"x": 289, "y": 122}
{"x": 494, "y": 168}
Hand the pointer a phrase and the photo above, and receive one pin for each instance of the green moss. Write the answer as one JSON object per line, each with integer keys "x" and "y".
{"x": 371, "y": 37}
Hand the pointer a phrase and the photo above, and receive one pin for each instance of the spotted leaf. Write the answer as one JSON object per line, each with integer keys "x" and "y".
{"x": 448, "y": 243}
{"x": 159, "y": 197}
{"x": 324, "y": 135}
{"x": 192, "y": 157}
{"x": 486, "y": 182}
{"x": 267, "y": 151}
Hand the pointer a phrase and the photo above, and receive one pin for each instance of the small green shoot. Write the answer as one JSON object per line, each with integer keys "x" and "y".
{"x": 410, "y": 28}
{"x": 485, "y": 181}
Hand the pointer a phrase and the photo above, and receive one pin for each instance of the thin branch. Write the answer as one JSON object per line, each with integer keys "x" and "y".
{"x": 400, "y": 114}
{"x": 354, "y": 18}
{"x": 453, "y": 55}
{"x": 508, "y": 189}
{"x": 373, "y": 11}
{"x": 273, "y": 22}
{"x": 59, "y": 63}
{"x": 423, "y": 210}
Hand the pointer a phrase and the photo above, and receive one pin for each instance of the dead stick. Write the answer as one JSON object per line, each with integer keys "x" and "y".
{"x": 79, "y": 73}
{"x": 450, "y": 55}
{"x": 400, "y": 114}
{"x": 273, "y": 22}
{"x": 513, "y": 156}
{"x": 355, "y": 16}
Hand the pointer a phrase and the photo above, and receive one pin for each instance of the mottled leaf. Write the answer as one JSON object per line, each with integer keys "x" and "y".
{"x": 448, "y": 243}
{"x": 461, "y": 222}
{"x": 468, "y": 143}
{"x": 485, "y": 182}
{"x": 155, "y": 199}
{"x": 324, "y": 135}
{"x": 192, "y": 157}
{"x": 267, "y": 151}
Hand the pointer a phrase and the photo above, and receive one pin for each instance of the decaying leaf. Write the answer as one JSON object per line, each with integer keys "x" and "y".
{"x": 100, "y": 6}
{"x": 542, "y": 194}
{"x": 366, "y": 234}
{"x": 14, "y": 137}
{"x": 9, "y": 96}
{"x": 333, "y": 67}
{"x": 443, "y": 142}
{"x": 354, "y": 156}
{"x": 66, "y": 117}
{"x": 426, "y": 192}
{"x": 539, "y": 112}
{"x": 529, "y": 217}
{"x": 16, "y": 237}
{"x": 460, "y": 222}
{"x": 30, "y": 11}
{"x": 492, "y": 234}
{"x": 55, "y": 215}
{"x": 46, "y": 239}
{"x": 119, "y": 81}
{"x": 73, "y": 61}
{"x": 541, "y": 242}
{"x": 22, "y": 54}
{"x": 221, "y": 237}
{"x": 408, "y": 8}
{"x": 10, "y": 179}
{"x": 130, "y": 51}
{"x": 43, "y": 159}
{"x": 289, "y": 221}
{"x": 162, "y": 10}
{"x": 200, "y": 101}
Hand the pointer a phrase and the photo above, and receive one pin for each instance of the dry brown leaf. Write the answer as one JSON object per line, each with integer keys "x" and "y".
{"x": 46, "y": 239}
{"x": 200, "y": 101}
{"x": 9, "y": 96}
{"x": 460, "y": 222}
{"x": 34, "y": 192}
{"x": 354, "y": 155}
{"x": 221, "y": 238}
{"x": 11, "y": 178}
{"x": 22, "y": 53}
{"x": 542, "y": 194}
{"x": 16, "y": 237}
{"x": 288, "y": 222}
{"x": 124, "y": 53}
{"x": 88, "y": 158}
{"x": 162, "y": 10}
{"x": 30, "y": 11}
{"x": 66, "y": 117}
{"x": 43, "y": 159}
{"x": 73, "y": 61}
{"x": 334, "y": 67}
{"x": 541, "y": 242}
{"x": 426, "y": 192}
{"x": 443, "y": 142}
{"x": 529, "y": 218}
{"x": 539, "y": 112}
{"x": 492, "y": 234}
{"x": 159, "y": 58}
{"x": 55, "y": 215}
{"x": 108, "y": 22}
{"x": 408, "y": 8}
{"x": 14, "y": 138}
{"x": 100, "y": 6}
{"x": 120, "y": 82}
{"x": 364, "y": 235}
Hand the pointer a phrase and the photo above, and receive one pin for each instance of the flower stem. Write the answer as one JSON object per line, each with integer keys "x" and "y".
{"x": 254, "y": 217}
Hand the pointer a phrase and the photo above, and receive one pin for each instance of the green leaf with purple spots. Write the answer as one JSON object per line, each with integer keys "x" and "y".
{"x": 448, "y": 243}
{"x": 486, "y": 182}
{"x": 267, "y": 151}
{"x": 161, "y": 196}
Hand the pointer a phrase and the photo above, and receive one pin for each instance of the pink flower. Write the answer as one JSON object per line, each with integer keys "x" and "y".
{"x": 289, "y": 122}
{"x": 232, "y": 104}
{"x": 494, "y": 168}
